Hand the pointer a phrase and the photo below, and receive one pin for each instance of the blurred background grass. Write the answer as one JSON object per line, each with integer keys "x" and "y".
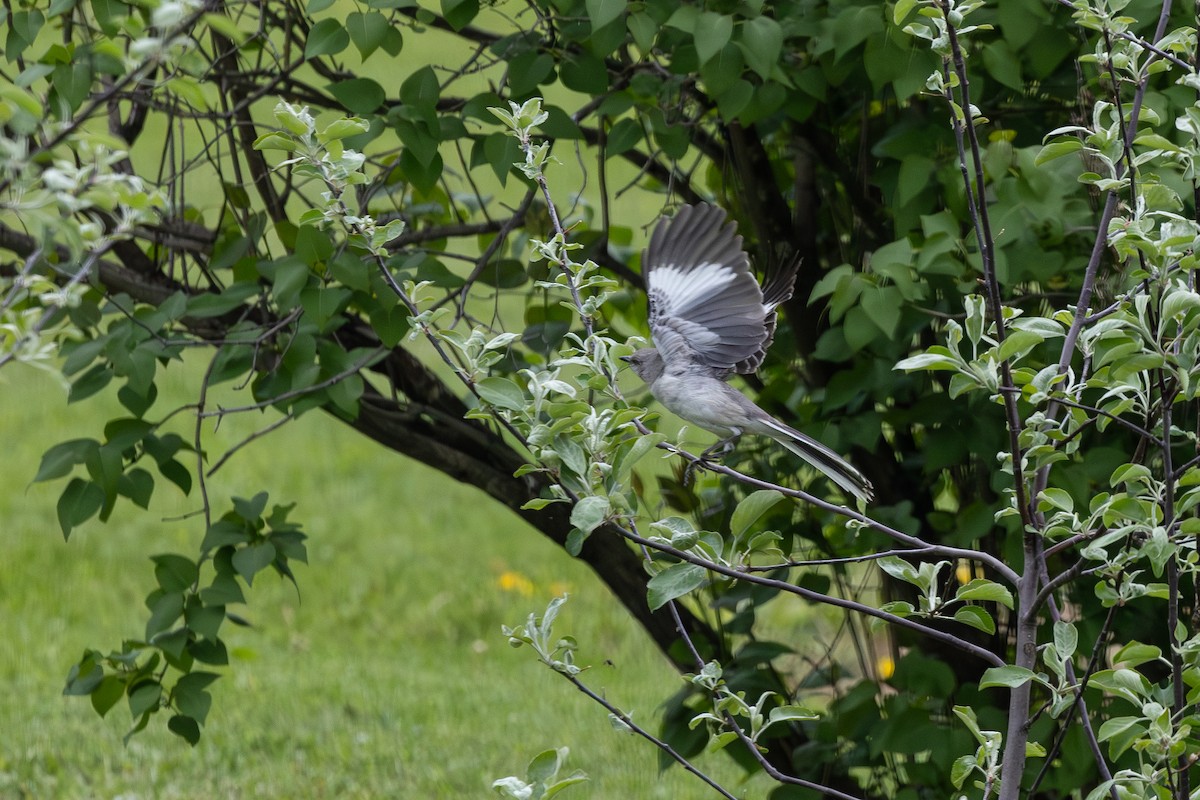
{"x": 385, "y": 675}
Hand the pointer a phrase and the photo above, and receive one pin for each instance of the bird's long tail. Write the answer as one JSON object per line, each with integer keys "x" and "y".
{"x": 833, "y": 466}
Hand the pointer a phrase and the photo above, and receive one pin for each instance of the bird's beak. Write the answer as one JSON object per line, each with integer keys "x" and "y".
{"x": 626, "y": 359}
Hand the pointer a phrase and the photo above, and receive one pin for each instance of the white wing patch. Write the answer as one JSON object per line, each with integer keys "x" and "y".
{"x": 685, "y": 287}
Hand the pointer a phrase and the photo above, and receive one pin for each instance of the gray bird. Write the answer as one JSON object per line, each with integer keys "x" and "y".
{"x": 710, "y": 319}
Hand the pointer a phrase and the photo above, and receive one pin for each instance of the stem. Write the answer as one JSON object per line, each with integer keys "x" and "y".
{"x": 825, "y": 599}
{"x": 1017, "y": 735}
{"x": 645, "y": 734}
{"x": 914, "y": 543}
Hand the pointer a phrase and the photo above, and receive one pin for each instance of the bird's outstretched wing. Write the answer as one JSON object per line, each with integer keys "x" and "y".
{"x": 706, "y": 306}
{"x": 777, "y": 290}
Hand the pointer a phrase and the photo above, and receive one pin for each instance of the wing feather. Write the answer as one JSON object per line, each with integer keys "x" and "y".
{"x": 705, "y": 303}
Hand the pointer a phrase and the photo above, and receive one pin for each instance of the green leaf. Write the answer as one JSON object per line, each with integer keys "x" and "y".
{"x": 77, "y": 504}
{"x": 321, "y": 305}
{"x": 367, "y": 31}
{"x": 1008, "y": 676}
{"x": 917, "y": 171}
{"x": 584, "y": 73}
{"x": 789, "y": 713}
{"x": 1124, "y": 683}
{"x": 251, "y": 509}
{"x": 734, "y": 100}
{"x": 390, "y": 324}
{"x": 590, "y": 512}
{"x": 1018, "y": 343}
{"x": 275, "y": 140}
{"x": 556, "y": 787}
{"x": 967, "y": 716}
{"x": 752, "y": 508}
{"x": 602, "y": 12}
{"x": 423, "y": 174}
{"x": 545, "y": 765}
{"x": 59, "y": 460}
{"x": 711, "y": 34}
{"x": 144, "y": 698}
{"x": 1056, "y": 498}
{"x": 675, "y": 581}
{"x": 1066, "y": 639}
{"x": 23, "y": 27}
{"x": 107, "y": 693}
{"x": 762, "y": 42}
{"x": 89, "y": 383}
{"x": 209, "y": 652}
{"x": 962, "y": 768}
{"x": 224, "y": 590}
{"x": 931, "y": 361}
{"x": 900, "y": 569}
{"x": 1003, "y": 64}
{"x": 342, "y": 129}
{"x": 459, "y": 13}
{"x": 529, "y": 70}
{"x": 212, "y": 304}
{"x": 883, "y": 305}
{"x": 231, "y": 361}
{"x": 252, "y": 559}
{"x": 164, "y": 610}
{"x": 538, "y": 503}
{"x": 644, "y": 30}
{"x": 84, "y": 676}
{"x": 623, "y": 136}
{"x": 358, "y": 95}
{"x": 73, "y": 82}
{"x": 899, "y": 14}
{"x": 204, "y": 621}
{"x": 502, "y": 393}
{"x": 977, "y": 618}
{"x": 1135, "y": 654}
{"x": 186, "y": 728}
{"x": 985, "y": 590}
{"x": 574, "y": 543}
{"x": 328, "y": 37}
{"x": 1121, "y": 734}
{"x": 121, "y": 434}
{"x": 346, "y": 393}
{"x": 174, "y": 573}
{"x": 1057, "y": 149}
{"x": 190, "y": 697}
{"x": 225, "y": 27}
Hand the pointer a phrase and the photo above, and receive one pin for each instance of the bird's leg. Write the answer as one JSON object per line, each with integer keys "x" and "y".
{"x": 721, "y": 448}
{"x": 712, "y": 455}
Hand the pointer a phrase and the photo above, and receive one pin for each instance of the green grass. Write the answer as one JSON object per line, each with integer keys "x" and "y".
{"x": 384, "y": 676}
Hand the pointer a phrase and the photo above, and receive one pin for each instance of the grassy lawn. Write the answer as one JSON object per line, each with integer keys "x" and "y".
{"x": 384, "y": 676}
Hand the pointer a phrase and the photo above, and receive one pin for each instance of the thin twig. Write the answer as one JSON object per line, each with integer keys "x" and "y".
{"x": 808, "y": 594}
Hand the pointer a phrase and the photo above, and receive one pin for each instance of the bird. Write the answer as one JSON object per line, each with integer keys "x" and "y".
{"x": 710, "y": 319}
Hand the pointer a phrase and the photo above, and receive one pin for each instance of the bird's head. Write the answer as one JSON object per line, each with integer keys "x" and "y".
{"x": 647, "y": 363}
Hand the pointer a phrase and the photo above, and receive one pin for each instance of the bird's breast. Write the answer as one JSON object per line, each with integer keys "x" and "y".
{"x": 699, "y": 399}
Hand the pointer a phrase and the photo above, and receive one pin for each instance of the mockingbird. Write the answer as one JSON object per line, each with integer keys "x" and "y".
{"x": 709, "y": 319}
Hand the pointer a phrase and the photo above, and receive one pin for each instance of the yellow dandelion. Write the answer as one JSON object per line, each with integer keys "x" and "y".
{"x": 965, "y": 572}
{"x": 512, "y": 581}
{"x": 885, "y": 667}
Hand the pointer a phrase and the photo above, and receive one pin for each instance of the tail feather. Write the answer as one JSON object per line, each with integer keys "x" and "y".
{"x": 829, "y": 463}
